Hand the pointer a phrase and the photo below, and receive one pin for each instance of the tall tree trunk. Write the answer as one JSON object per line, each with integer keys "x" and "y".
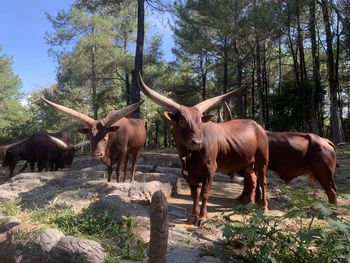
{"x": 156, "y": 132}
{"x": 225, "y": 84}
{"x": 335, "y": 116}
{"x": 165, "y": 142}
{"x": 126, "y": 74}
{"x": 302, "y": 70}
{"x": 259, "y": 83}
{"x": 135, "y": 91}
{"x": 280, "y": 63}
{"x": 337, "y": 56}
{"x": 203, "y": 75}
{"x": 296, "y": 73}
{"x": 265, "y": 82}
{"x": 253, "y": 89}
{"x": 239, "y": 76}
{"x": 316, "y": 86}
{"x": 93, "y": 81}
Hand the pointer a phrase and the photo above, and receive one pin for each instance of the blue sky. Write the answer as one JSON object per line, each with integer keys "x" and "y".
{"x": 22, "y": 30}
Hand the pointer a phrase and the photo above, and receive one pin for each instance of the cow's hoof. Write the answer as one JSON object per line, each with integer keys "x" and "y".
{"x": 266, "y": 210}
{"x": 192, "y": 220}
{"x": 200, "y": 221}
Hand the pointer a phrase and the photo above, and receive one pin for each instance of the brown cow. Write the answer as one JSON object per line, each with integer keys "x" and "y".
{"x": 293, "y": 154}
{"x": 205, "y": 147}
{"x": 113, "y": 138}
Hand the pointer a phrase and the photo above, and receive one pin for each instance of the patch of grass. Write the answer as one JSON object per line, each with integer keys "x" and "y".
{"x": 10, "y": 208}
{"x": 345, "y": 195}
{"x": 116, "y": 235}
{"x": 28, "y": 238}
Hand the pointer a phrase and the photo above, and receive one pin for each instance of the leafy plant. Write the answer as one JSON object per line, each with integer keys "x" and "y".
{"x": 294, "y": 237}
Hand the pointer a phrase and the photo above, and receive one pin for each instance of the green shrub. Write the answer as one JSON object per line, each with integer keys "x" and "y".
{"x": 293, "y": 237}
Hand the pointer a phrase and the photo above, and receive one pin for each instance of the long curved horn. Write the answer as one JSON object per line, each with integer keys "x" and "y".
{"x": 81, "y": 144}
{"x": 70, "y": 112}
{"x": 165, "y": 102}
{"x": 214, "y": 102}
{"x": 115, "y": 115}
{"x": 8, "y": 146}
{"x": 59, "y": 142}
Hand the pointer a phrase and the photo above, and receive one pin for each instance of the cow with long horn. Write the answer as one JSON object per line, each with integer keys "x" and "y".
{"x": 205, "y": 147}
{"x": 113, "y": 138}
{"x": 45, "y": 150}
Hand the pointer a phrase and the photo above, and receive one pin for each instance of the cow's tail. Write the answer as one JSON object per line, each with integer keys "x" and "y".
{"x": 335, "y": 147}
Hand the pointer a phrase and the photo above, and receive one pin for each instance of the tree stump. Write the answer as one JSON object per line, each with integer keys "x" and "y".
{"x": 159, "y": 228}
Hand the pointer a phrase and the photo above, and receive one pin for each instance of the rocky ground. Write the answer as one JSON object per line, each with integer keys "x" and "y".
{"x": 85, "y": 184}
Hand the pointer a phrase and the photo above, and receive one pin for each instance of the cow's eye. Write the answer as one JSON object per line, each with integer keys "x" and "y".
{"x": 182, "y": 123}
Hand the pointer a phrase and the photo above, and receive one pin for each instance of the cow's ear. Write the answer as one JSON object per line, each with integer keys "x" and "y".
{"x": 83, "y": 130}
{"x": 113, "y": 128}
{"x": 207, "y": 117}
{"x": 171, "y": 116}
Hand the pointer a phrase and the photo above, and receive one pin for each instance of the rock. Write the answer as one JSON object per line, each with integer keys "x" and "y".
{"x": 49, "y": 238}
{"x": 25, "y": 243}
{"x": 181, "y": 255}
{"x": 209, "y": 259}
{"x": 76, "y": 250}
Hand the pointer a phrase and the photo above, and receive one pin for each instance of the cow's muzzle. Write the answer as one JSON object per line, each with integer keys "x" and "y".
{"x": 196, "y": 145}
{"x": 98, "y": 154}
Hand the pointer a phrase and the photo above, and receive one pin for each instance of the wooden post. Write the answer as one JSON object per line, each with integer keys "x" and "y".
{"x": 159, "y": 228}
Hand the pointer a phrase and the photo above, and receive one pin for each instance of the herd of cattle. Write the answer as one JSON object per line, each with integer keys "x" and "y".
{"x": 204, "y": 147}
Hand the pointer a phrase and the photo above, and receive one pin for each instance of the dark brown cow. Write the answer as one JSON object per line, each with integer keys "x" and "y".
{"x": 205, "y": 147}
{"x": 113, "y": 138}
{"x": 46, "y": 150}
{"x": 293, "y": 154}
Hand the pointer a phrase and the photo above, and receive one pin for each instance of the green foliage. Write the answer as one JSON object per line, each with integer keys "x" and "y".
{"x": 294, "y": 237}
{"x": 12, "y": 113}
{"x": 9, "y": 208}
{"x": 116, "y": 235}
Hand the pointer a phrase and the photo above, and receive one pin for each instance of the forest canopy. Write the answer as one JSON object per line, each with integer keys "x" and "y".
{"x": 291, "y": 60}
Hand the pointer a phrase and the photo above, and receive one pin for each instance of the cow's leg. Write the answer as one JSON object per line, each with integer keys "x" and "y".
{"x": 261, "y": 170}
{"x": 40, "y": 166}
{"x": 250, "y": 184}
{"x": 109, "y": 172}
{"x": 246, "y": 186}
{"x": 126, "y": 161}
{"x": 32, "y": 166}
{"x": 196, "y": 208}
{"x": 118, "y": 168}
{"x": 325, "y": 178}
{"x": 133, "y": 167}
{"x": 205, "y": 191}
{"x": 12, "y": 167}
{"x": 52, "y": 166}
